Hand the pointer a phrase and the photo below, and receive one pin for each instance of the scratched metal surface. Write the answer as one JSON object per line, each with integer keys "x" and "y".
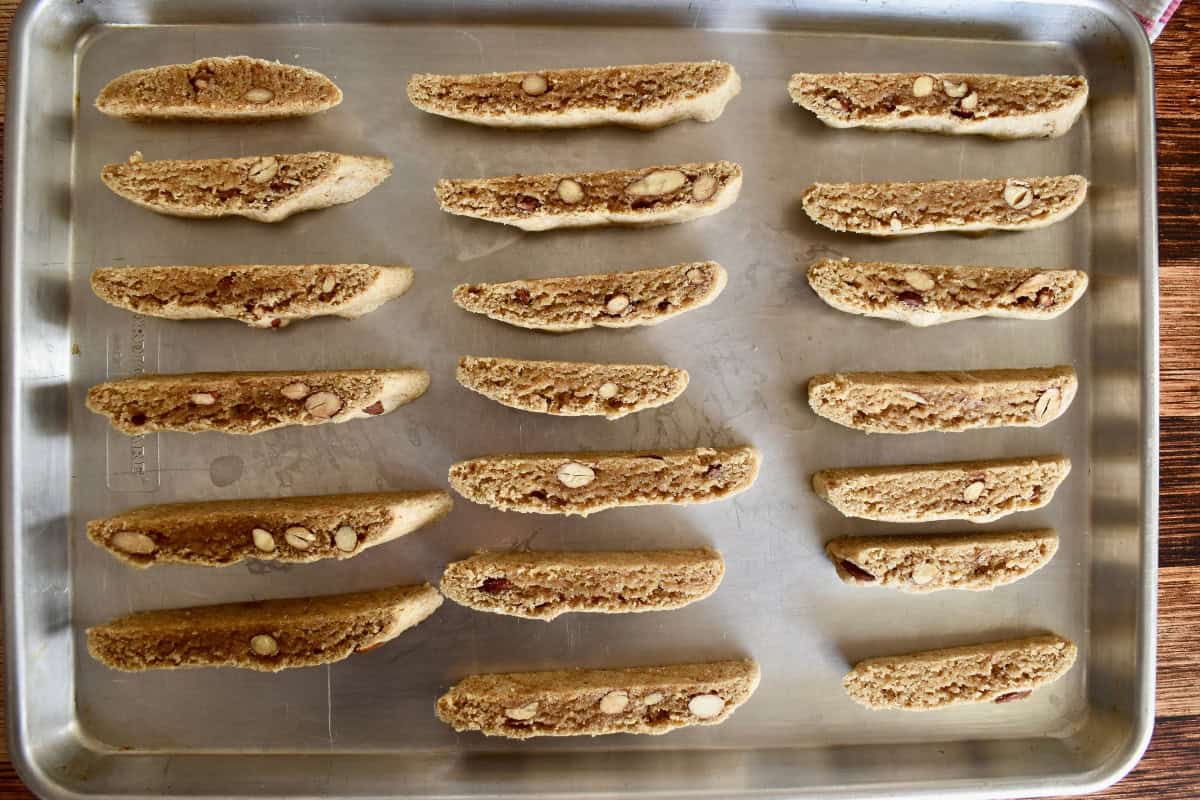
{"x": 366, "y": 726}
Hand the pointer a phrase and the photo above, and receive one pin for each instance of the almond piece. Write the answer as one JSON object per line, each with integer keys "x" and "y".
{"x": 522, "y": 713}
{"x": 346, "y": 539}
{"x": 652, "y": 698}
{"x": 534, "y": 85}
{"x": 924, "y": 573}
{"x": 263, "y": 170}
{"x": 259, "y": 95}
{"x": 203, "y": 399}
{"x": 264, "y": 645}
{"x": 614, "y": 702}
{"x": 955, "y": 89}
{"x": 299, "y": 537}
{"x": 263, "y": 540}
{"x": 616, "y": 304}
{"x": 136, "y": 543}
{"x": 323, "y": 405}
{"x": 974, "y": 491}
{"x": 569, "y": 191}
{"x": 706, "y": 706}
{"x": 658, "y": 182}
{"x": 575, "y": 476}
{"x": 922, "y": 86}
{"x": 607, "y": 391}
{"x": 295, "y": 391}
{"x": 1047, "y": 405}
{"x": 969, "y": 102}
{"x": 921, "y": 281}
{"x": 704, "y": 187}
{"x": 1017, "y": 194}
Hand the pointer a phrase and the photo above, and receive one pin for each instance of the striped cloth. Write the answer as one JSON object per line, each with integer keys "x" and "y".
{"x": 1153, "y": 14}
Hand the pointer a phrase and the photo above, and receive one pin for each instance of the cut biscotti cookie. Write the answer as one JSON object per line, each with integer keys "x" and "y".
{"x": 267, "y": 635}
{"x": 930, "y": 563}
{"x": 572, "y": 389}
{"x": 660, "y": 195}
{"x": 978, "y": 491}
{"x": 259, "y": 295}
{"x": 904, "y": 209}
{"x": 924, "y": 295}
{"x": 608, "y": 300}
{"x": 252, "y": 402}
{"x": 996, "y": 672}
{"x": 911, "y": 402}
{"x": 637, "y": 95}
{"x": 543, "y": 585}
{"x": 238, "y": 87}
{"x": 591, "y": 702}
{"x": 1002, "y": 106}
{"x": 287, "y": 529}
{"x": 261, "y": 188}
{"x": 583, "y": 483}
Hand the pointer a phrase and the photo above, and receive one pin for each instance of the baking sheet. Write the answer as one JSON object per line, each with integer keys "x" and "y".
{"x": 749, "y": 355}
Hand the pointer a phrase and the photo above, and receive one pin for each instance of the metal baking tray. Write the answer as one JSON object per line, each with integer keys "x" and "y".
{"x": 365, "y": 727}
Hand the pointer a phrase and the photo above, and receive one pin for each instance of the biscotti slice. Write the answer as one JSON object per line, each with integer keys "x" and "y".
{"x": 978, "y": 491}
{"x": 1001, "y": 106}
{"x": 609, "y": 300}
{"x": 904, "y": 209}
{"x": 252, "y": 402}
{"x": 570, "y": 389}
{"x": 931, "y": 563}
{"x": 583, "y": 483}
{"x": 924, "y": 295}
{"x": 267, "y": 635}
{"x": 911, "y": 402}
{"x": 261, "y": 188}
{"x": 660, "y": 195}
{"x": 259, "y": 295}
{"x": 238, "y": 87}
{"x": 592, "y": 702}
{"x": 543, "y": 585}
{"x": 293, "y": 530}
{"x": 642, "y": 96}
{"x": 995, "y": 672}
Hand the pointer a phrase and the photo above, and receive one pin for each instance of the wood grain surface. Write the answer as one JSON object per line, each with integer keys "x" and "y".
{"x": 1171, "y": 767}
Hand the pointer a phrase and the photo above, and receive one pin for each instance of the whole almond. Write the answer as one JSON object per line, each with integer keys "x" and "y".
{"x": 263, "y": 540}
{"x": 534, "y": 85}
{"x": 704, "y": 187}
{"x": 264, "y": 645}
{"x": 259, "y": 95}
{"x": 569, "y": 191}
{"x": 706, "y": 706}
{"x": 521, "y": 713}
{"x": 922, "y": 86}
{"x": 299, "y": 537}
{"x": 614, "y": 702}
{"x": 295, "y": 391}
{"x": 346, "y": 539}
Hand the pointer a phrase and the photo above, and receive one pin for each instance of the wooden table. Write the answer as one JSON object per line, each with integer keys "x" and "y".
{"x": 1171, "y": 768}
